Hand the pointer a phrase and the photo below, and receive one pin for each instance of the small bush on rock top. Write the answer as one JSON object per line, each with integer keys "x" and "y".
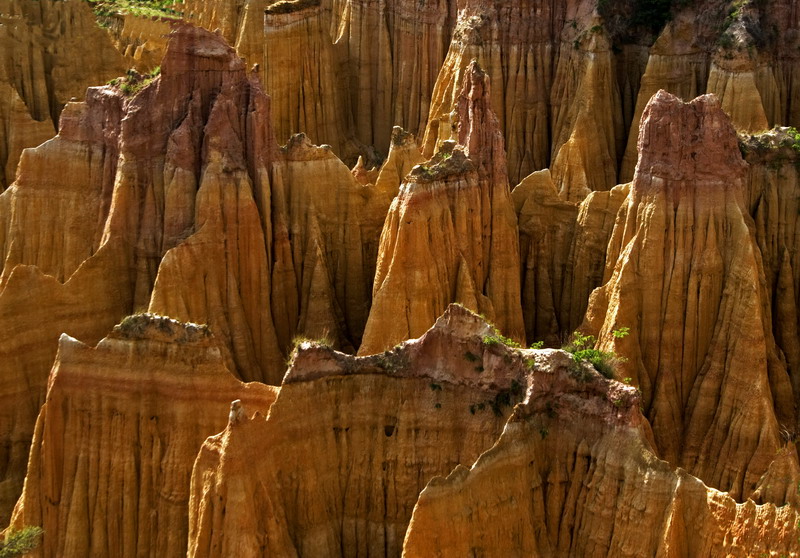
{"x": 20, "y": 542}
{"x": 794, "y": 136}
{"x": 133, "y": 82}
{"x": 140, "y": 8}
{"x": 582, "y": 349}
{"x": 324, "y": 342}
{"x": 498, "y": 339}
{"x": 290, "y": 6}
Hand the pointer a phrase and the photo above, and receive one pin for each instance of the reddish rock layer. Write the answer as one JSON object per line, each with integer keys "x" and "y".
{"x": 744, "y": 52}
{"x": 566, "y": 476}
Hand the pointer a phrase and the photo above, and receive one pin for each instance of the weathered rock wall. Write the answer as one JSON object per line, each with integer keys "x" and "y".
{"x": 336, "y": 467}
{"x": 570, "y": 89}
{"x": 451, "y": 233}
{"x": 57, "y": 276}
{"x": 573, "y": 474}
{"x": 45, "y": 61}
{"x": 565, "y": 476}
{"x": 171, "y": 194}
{"x": 344, "y": 72}
{"x": 745, "y": 53}
{"x": 687, "y": 278}
{"x": 178, "y": 199}
{"x": 115, "y": 440}
{"x": 772, "y": 198}
{"x": 141, "y": 39}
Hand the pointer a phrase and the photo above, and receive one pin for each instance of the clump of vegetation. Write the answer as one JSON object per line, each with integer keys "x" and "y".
{"x": 794, "y": 138}
{"x": 400, "y": 137}
{"x": 726, "y": 39}
{"x": 530, "y": 363}
{"x": 139, "y": 8}
{"x": 582, "y": 349}
{"x": 775, "y": 147}
{"x": 133, "y": 82}
{"x": 448, "y": 161}
{"x": 497, "y": 338}
{"x": 134, "y": 324}
{"x": 735, "y": 13}
{"x": 491, "y": 340}
{"x": 20, "y": 542}
{"x": 742, "y": 28}
{"x": 299, "y": 340}
{"x": 391, "y": 361}
{"x": 289, "y": 6}
{"x": 323, "y": 341}
{"x": 621, "y": 332}
{"x": 576, "y": 43}
{"x": 164, "y": 325}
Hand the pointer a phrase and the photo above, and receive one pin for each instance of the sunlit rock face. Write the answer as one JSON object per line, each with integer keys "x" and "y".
{"x": 336, "y": 467}
{"x": 169, "y": 193}
{"x": 574, "y": 473}
{"x": 333, "y": 175}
